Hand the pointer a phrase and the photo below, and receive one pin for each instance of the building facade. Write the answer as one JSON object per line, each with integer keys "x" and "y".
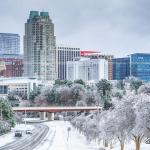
{"x": 9, "y": 43}
{"x": 121, "y": 68}
{"x": 11, "y": 67}
{"x": 137, "y": 65}
{"x": 19, "y": 85}
{"x": 40, "y": 47}
{"x": 98, "y": 55}
{"x": 64, "y": 54}
{"x": 87, "y": 69}
{"x": 140, "y": 66}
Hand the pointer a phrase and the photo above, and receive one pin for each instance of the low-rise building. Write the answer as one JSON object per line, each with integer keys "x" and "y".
{"x": 19, "y": 85}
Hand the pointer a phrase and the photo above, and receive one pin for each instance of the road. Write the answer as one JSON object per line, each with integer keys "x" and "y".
{"x": 28, "y": 142}
{"x": 57, "y": 138}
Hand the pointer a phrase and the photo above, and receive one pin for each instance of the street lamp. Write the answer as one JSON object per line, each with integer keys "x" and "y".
{"x": 25, "y": 118}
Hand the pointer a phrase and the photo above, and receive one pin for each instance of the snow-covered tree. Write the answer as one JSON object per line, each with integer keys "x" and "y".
{"x": 124, "y": 118}
{"x": 63, "y": 82}
{"x": 77, "y": 93}
{"x": 107, "y": 127}
{"x": 118, "y": 122}
{"x": 104, "y": 88}
{"x": 65, "y": 95}
{"x": 24, "y": 103}
{"x": 7, "y": 114}
{"x": 120, "y": 85}
{"x": 145, "y": 89}
{"x": 40, "y": 100}
{"x": 92, "y": 98}
{"x": 91, "y": 129}
{"x": 135, "y": 84}
{"x": 142, "y": 122}
{"x": 80, "y": 81}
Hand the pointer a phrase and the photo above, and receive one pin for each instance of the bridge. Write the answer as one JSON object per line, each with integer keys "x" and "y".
{"x": 51, "y": 110}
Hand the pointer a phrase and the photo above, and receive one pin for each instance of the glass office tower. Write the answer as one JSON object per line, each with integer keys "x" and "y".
{"x": 140, "y": 66}
{"x": 121, "y": 68}
{"x": 137, "y": 65}
{"x": 9, "y": 43}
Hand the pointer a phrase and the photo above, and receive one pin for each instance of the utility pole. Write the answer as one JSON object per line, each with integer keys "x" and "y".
{"x": 25, "y": 119}
{"x": 68, "y": 129}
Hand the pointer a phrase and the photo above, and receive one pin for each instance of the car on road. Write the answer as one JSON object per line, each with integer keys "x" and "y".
{"x": 28, "y": 131}
{"x": 18, "y": 133}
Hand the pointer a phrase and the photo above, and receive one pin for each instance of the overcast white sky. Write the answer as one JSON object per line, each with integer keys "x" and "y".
{"x": 118, "y": 27}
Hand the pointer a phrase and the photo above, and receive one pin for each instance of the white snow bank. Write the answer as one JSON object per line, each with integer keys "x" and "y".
{"x": 6, "y": 138}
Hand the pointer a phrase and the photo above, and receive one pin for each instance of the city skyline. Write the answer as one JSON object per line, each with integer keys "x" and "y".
{"x": 117, "y": 27}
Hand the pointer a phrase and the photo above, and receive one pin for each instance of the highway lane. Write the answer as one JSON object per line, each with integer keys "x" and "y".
{"x": 28, "y": 142}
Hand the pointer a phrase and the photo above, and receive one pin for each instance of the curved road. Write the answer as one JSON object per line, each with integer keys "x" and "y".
{"x": 29, "y": 141}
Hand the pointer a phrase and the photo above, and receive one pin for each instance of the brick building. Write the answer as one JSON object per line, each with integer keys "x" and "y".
{"x": 11, "y": 67}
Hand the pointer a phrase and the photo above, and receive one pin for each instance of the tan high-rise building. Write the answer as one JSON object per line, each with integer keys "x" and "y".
{"x": 40, "y": 47}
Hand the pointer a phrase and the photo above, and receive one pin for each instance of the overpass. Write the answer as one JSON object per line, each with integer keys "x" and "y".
{"x": 51, "y": 110}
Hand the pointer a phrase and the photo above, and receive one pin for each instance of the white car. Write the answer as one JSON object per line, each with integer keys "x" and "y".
{"x": 28, "y": 131}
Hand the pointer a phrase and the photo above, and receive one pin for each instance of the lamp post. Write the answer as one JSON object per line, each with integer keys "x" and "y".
{"x": 25, "y": 118}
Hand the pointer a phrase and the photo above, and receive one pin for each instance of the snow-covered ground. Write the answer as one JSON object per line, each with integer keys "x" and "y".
{"x": 131, "y": 146}
{"x": 6, "y": 138}
{"x": 9, "y": 137}
{"x": 56, "y": 139}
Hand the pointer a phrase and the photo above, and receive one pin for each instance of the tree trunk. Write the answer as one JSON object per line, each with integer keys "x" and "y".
{"x": 122, "y": 146}
{"x": 137, "y": 140}
{"x": 106, "y": 143}
{"x": 136, "y": 91}
{"x": 137, "y": 145}
{"x": 111, "y": 145}
{"x": 99, "y": 141}
{"x": 122, "y": 141}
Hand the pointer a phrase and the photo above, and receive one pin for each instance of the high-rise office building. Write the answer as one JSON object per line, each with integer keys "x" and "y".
{"x": 140, "y": 66}
{"x": 9, "y": 43}
{"x": 137, "y": 65}
{"x": 64, "y": 54}
{"x": 39, "y": 47}
{"x": 121, "y": 68}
